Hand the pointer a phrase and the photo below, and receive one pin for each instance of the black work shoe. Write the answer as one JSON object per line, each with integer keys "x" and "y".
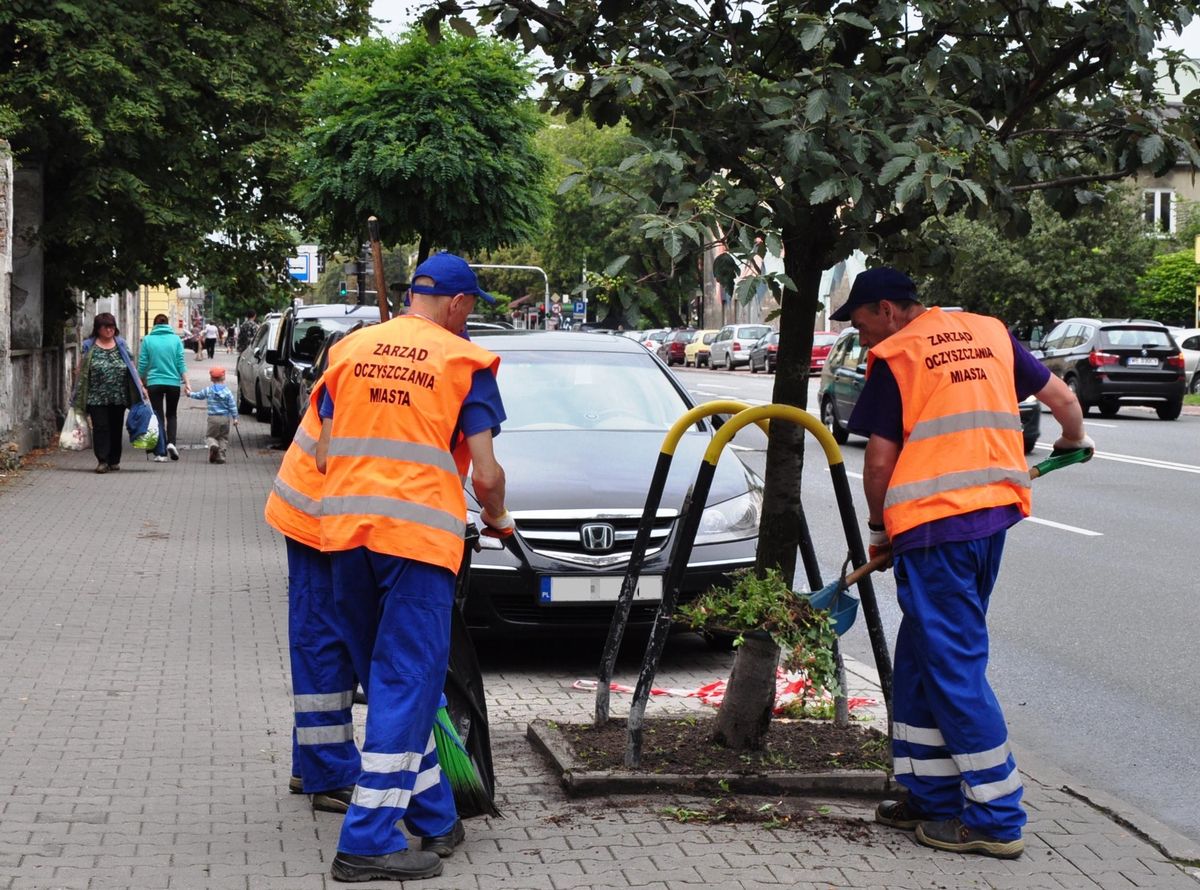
{"x": 899, "y": 814}
{"x": 212, "y": 454}
{"x": 952, "y": 835}
{"x": 295, "y": 785}
{"x": 335, "y": 800}
{"x": 444, "y": 844}
{"x": 407, "y": 865}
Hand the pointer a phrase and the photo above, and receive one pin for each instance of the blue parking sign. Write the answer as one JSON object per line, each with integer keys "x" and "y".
{"x": 580, "y": 307}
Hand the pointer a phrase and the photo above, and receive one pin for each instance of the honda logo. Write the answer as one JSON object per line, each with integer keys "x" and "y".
{"x": 597, "y": 537}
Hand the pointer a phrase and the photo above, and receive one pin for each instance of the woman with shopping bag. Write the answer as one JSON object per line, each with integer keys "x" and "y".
{"x": 108, "y": 385}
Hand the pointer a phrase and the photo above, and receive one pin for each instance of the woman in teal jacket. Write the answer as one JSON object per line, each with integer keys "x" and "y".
{"x": 161, "y": 367}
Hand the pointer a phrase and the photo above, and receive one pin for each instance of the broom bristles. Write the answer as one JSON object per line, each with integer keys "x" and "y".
{"x": 471, "y": 796}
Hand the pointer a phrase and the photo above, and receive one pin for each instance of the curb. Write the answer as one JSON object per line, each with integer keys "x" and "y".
{"x": 578, "y": 782}
{"x": 1175, "y": 846}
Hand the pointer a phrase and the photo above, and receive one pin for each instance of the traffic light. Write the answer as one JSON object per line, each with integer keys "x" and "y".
{"x": 342, "y": 290}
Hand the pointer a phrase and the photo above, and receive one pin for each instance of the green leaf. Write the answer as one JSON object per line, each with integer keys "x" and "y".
{"x": 569, "y": 182}
{"x": 777, "y": 105}
{"x": 826, "y": 191}
{"x": 811, "y": 36}
{"x": 463, "y": 27}
{"x": 614, "y": 268}
{"x": 853, "y": 18}
{"x": 635, "y": 85}
{"x": 817, "y": 105}
{"x": 893, "y": 168}
{"x": 909, "y": 187}
{"x": 774, "y": 244}
{"x": 794, "y": 145}
{"x": 1150, "y": 148}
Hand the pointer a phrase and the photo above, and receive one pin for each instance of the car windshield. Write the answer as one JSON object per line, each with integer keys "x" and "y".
{"x": 824, "y": 339}
{"x": 310, "y": 334}
{"x": 586, "y": 391}
{"x": 1133, "y": 338}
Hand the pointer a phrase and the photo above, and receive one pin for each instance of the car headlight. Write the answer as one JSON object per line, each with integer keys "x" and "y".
{"x": 486, "y": 542}
{"x": 731, "y": 520}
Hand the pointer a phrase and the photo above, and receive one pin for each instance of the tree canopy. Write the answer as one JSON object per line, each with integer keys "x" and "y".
{"x": 437, "y": 140}
{"x": 163, "y": 130}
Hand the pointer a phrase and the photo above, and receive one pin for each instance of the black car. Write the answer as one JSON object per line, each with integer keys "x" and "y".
{"x": 586, "y": 418}
{"x": 302, "y": 332}
{"x": 765, "y": 354}
{"x": 1111, "y": 362}
{"x": 845, "y": 374}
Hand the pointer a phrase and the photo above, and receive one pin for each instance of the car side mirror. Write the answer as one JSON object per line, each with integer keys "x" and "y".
{"x": 273, "y": 357}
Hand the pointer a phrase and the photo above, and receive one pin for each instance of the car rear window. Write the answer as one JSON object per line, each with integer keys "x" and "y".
{"x": 309, "y": 333}
{"x": 752, "y": 332}
{"x": 586, "y": 391}
{"x": 1133, "y": 338}
{"x": 824, "y": 339}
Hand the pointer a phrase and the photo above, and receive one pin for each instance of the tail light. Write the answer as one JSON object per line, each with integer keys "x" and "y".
{"x": 737, "y": 347}
{"x": 1176, "y": 362}
{"x": 772, "y": 349}
{"x": 1098, "y": 359}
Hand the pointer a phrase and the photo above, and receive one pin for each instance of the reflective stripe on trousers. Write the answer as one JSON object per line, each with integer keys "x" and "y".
{"x": 323, "y": 751}
{"x": 394, "y": 614}
{"x": 949, "y": 739}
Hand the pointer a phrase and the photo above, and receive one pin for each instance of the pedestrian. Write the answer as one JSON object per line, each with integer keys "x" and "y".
{"x": 221, "y": 336}
{"x": 198, "y": 340}
{"x": 210, "y": 339}
{"x": 162, "y": 370}
{"x": 325, "y": 759}
{"x": 222, "y": 409}
{"x": 231, "y": 338}
{"x": 247, "y": 330}
{"x": 393, "y": 517}
{"x": 108, "y": 385}
{"x": 945, "y": 476}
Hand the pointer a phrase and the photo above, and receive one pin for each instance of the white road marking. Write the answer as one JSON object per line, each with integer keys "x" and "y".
{"x": 1067, "y": 528}
{"x": 1107, "y": 426}
{"x": 719, "y": 386}
{"x": 1139, "y": 461}
{"x": 738, "y": 399}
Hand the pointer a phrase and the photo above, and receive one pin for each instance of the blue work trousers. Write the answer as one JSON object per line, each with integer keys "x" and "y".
{"x": 323, "y": 751}
{"x": 949, "y": 739}
{"x": 394, "y": 614}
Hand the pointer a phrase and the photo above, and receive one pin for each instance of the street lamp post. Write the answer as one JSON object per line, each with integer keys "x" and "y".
{"x": 545, "y": 277}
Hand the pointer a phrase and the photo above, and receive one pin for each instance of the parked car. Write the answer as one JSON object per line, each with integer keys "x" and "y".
{"x": 764, "y": 353}
{"x": 253, "y": 372}
{"x": 1112, "y": 362}
{"x": 302, "y": 332}
{"x": 586, "y": 419}
{"x": 731, "y": 346}
{"x": 654, "y": 338}
{"x": 845, "y": 374}
{"x": 695, "y": 354}
{"x": 822, "y": 342}
{"x": 673, "y": 345}
{"x": 1189, "y": 343}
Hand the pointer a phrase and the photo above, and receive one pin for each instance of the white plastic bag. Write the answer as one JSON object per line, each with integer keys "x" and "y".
{"x": 76, "y": 435}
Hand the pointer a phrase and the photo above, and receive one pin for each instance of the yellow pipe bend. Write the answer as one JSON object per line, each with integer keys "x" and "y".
{"x": 730, "y": 428}
{"x": 719, "y": 406}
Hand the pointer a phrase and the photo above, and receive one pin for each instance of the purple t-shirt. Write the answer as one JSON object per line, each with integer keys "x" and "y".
{"x": 880, "y": 412}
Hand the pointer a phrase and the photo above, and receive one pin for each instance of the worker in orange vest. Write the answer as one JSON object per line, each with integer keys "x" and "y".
{"x": 945, "y": 476}
{"x": 399, "y": 399}
{"x": 325, "y": 759}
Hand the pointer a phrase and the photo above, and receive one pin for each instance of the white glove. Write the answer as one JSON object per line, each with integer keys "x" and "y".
{"x": 500, "y": 526}
{"x": 1065, "y": 444}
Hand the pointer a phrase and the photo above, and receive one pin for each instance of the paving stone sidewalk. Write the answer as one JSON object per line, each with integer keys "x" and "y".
{"x": 146, "y": 723}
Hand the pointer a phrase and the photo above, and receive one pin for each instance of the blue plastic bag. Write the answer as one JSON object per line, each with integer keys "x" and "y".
{"x": 142, "y": 426}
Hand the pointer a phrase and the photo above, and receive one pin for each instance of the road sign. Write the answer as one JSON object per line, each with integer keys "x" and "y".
{"x": 580, "y": 307}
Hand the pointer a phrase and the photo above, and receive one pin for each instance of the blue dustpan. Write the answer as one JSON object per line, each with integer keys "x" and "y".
{"x": 835, "y": 598}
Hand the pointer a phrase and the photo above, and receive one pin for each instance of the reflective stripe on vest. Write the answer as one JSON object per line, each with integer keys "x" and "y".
{"x": 963, "y": 446}
{"x": 294, "y": 503}
{"x": 392, "y": 484}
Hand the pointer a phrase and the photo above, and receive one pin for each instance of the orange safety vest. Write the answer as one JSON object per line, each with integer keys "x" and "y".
{"x": 392, "y": 484}
{"x": 963, "y": 446}
{"x": 294, "y": 504}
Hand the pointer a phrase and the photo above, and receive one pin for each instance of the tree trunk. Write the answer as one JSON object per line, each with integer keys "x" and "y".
{"x": 779, "y": 529}
{"x": 744, "y": 716}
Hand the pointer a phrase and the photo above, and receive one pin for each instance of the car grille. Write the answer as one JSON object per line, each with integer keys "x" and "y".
{"x": 558, "y": 534}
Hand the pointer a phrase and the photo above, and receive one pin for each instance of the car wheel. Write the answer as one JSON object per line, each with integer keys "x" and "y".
{"x": 262, "y": 410}
{"x": 753, "y": 367}
{"x": 1195, "y": 387}
{"x": 244, "y": 406}
{"x": 728, "y": 361}
{"x": 829, "y": 418}
{"x": 704, "y": 364}
{"x": 1170, "y": 410}
{"x": 1109, "y": 408}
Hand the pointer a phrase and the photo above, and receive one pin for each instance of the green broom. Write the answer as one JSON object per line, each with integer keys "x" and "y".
{"x": 471, "y": 795}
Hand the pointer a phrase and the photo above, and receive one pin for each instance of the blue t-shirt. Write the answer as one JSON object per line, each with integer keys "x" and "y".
{"x": 880, "y": 412}
{"x": 482, "y": 409}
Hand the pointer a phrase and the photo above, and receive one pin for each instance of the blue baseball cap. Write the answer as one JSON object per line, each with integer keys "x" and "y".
{"x": 451, "y": 275}
{"x": 883, "y": 283}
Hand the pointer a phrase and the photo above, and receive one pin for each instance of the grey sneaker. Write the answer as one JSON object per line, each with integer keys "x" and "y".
{"x": 952, "y": 835}
{"x": 407, "y": 865}
{"x": 335, "y": 800}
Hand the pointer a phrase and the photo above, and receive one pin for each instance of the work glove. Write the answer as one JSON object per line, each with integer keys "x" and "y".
{"x": 878, "y": 543}
{"x": 1065, "y": 444}
{"x": 501, "y": 526}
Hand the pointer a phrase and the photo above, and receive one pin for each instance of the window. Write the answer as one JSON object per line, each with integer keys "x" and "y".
{"x": 1159, "y": 207}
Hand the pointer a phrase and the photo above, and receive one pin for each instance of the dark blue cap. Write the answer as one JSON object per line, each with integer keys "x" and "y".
{"x": 451, "y": 275}
{"x": 884, "y": 283}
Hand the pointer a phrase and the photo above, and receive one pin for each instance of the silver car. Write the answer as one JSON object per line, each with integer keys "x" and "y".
{"x": 732, "y": 345}
{"x": 253, "y": 372}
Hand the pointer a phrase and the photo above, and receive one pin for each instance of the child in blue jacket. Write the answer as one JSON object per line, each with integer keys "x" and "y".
{"x": 222, "y": 408}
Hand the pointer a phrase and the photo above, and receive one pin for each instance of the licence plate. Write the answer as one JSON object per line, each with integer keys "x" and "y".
{"x": 1140, "y": 362}
{"x": 594, "y": 588}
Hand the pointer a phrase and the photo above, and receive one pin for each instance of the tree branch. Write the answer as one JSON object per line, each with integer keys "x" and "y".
{"x": 1075, "y": 180}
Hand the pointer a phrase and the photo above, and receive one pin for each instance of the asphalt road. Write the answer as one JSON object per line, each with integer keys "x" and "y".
{"x": 1094, "y": 618}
